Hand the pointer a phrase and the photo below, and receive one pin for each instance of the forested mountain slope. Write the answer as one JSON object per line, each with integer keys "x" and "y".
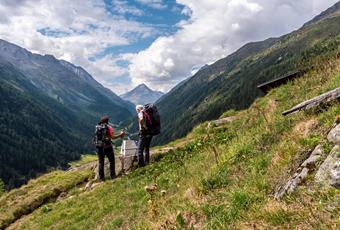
{"x": 218, "y": 177}
{"x": 72, "y": 86}
{"x": 231, "y": 83}
{"x": 48, "y": 111}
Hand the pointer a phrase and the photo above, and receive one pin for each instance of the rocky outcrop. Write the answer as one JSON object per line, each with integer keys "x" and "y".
{"x": 301, "y": 174}
{"x": 334, "y": 135}
{"x": 315, "y": 157}
{"x": 328, "y": 174}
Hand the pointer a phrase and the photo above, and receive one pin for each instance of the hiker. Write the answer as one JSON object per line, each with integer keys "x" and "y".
{"x": 104, "y": 133}
{"x": 149, "y": 126}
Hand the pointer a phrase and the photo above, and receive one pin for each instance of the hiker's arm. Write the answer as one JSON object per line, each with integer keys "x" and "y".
{"x": 121, "y": 135}
{"x": 142, "y": 124}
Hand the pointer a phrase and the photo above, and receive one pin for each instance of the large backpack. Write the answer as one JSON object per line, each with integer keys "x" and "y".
{"x": 101, "y": 137}
{"x": 152, "y": 119}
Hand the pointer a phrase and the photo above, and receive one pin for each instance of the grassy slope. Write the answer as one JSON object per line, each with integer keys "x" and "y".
{"x": 256, "y": 152}
{"x": 232, "y": 85}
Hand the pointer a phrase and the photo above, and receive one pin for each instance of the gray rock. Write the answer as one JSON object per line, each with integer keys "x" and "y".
{"x": 334, "y": 135}
{"x": 315, "y": 157}
{"x": 292, "y": 183}
{"x": 328, "y": 173}
{"x": 335, "y": 175}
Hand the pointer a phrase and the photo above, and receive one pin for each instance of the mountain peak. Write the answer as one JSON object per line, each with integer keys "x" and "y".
{"x": 142, "y": 94}
{"x": 142, "y": 86}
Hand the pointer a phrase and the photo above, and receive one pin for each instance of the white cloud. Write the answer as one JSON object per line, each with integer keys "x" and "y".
{"x": 156, "y": 4}
{"x": 123, "y": 7}
{"x": 215, "y": 29}
{"x": 86, "y": 29}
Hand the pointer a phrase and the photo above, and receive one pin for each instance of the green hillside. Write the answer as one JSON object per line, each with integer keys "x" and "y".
{"x": 48, "y": 112}
{"x": 220, "y": 177}
{"x": 231, "y": 83}
{"x": 33, "y": 134}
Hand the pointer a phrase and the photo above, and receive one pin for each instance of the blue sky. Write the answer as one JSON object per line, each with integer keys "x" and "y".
{"x": 123, "y": 43}
{"x": 163, "y": 18}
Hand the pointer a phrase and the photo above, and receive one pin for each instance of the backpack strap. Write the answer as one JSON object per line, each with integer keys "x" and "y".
{"x": 147, "y": 117}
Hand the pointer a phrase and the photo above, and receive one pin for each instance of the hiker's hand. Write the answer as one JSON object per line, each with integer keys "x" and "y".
{"x": 122, "y": 133}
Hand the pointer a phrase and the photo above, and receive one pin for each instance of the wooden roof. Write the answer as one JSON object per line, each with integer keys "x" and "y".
{"x": 267, "y": 86}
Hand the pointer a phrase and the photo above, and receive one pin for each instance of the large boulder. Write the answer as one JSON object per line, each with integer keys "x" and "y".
{"x": 335, "y": 175}
{"x": 329, "y": 171}
{"x": 334, "y": 135}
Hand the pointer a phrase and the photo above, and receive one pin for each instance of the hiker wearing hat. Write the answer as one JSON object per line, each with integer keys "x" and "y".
{"x": 104, "y": 133}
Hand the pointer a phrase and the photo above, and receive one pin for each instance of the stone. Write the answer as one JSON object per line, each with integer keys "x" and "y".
{"x": 334, "y": 135}
{"x": 335, "y": 175}
{"x": 88, "y": 186}
{"x": 292, "y": 183}
{"x": 328, "y": 173}
{"x": 94, "y": 185}
{"x": 314, "y": 157}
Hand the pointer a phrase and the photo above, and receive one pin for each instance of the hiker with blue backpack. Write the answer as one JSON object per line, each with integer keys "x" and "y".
{"x": 104, "y": 133}
{"x": 149, "y": 126}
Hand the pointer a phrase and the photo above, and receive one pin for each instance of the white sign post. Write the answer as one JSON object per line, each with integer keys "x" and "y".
{"x": 128, "y": 151}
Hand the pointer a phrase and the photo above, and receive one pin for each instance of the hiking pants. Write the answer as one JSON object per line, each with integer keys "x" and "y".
{"x": 102, "y": 152}
{"x": 144, "y": 147}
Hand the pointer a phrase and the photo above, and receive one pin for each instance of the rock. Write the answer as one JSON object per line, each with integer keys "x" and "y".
{"x": 335, "y": 175}
{"x": 334, "y": 135}
{"x": 328, "y": 173}
{"x": 88, "y": 186}
{"x": 224, "y": 120}
{"x": 292, "y": 183}
{"x": 95, "y": 184}
{"x": 315, "y": 156}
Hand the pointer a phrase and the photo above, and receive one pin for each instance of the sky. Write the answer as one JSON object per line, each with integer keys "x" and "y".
{"x": 123, "y": 43}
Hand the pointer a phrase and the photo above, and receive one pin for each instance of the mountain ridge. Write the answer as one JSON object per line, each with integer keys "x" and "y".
{"x": 231, "y": 82}
{"x": 63, "y": 81}
{"x": 65, "y": 102}
{"x": 333, "y": 11}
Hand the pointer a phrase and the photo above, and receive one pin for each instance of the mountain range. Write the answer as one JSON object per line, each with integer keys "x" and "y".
{"x": 49, "y": 106}
{"x": 251, "y": 169}
{"x": 142, "y": 94}
{"x": 231, "y": 83}
{"x": 48, "y": 110}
